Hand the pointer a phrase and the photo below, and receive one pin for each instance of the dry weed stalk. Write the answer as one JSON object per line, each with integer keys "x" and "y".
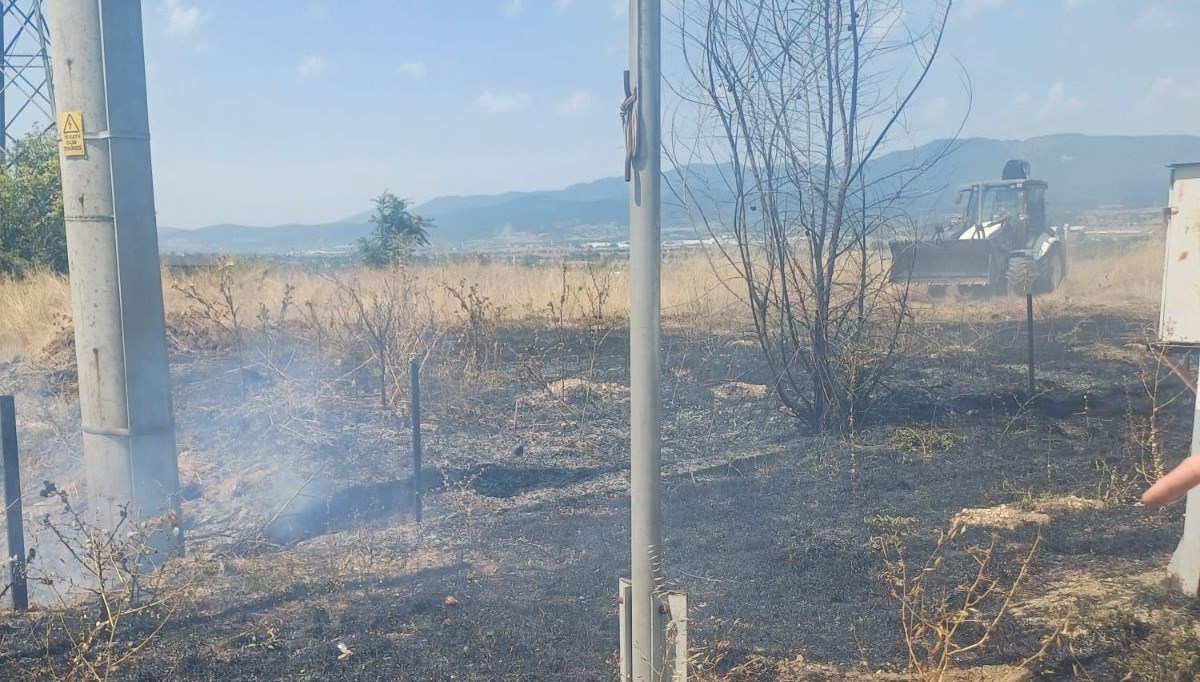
{"x": 115, "y": 598}
{"x": 380, "y": 315}
{"x": 941, "y": 625}
{"x": 1144, "y": 433}
{"x": 478, "y": 318}
{"x": 580, "y": 311}
{"x": 217, "y": 311}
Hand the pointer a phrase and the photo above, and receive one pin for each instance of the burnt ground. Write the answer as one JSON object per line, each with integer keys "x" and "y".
{"x": 302, "y": 537}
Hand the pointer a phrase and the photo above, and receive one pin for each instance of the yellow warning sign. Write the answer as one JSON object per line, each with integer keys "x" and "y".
{"x": 70, "y": 125}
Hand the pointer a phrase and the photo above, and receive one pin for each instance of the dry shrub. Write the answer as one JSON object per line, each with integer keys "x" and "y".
{"x": 112, "y": 596}
{"x": 376, "y": 318}
{"x": 476, "y": 325}
{"x": 946, "y": 615}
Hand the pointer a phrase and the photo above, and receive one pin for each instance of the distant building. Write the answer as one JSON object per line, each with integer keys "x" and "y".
{"x": 189, "y": 263}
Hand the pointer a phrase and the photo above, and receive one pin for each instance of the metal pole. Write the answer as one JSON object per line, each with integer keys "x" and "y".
{"x": 116, "y": 284}
{"x": 645, "y": 258}
{"x": 1184, "y": 568}
{"x": 3, "y": 83}
{"x": 414, "y": 389}
{"x": 13, "y": 512}
{"x": 1029, "y": 329}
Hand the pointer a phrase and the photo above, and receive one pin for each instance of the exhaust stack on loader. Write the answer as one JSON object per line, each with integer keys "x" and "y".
{"x": 1001, "y": 242}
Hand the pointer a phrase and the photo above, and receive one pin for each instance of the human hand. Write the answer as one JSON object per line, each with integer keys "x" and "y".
{"x": 1175, "y": 484}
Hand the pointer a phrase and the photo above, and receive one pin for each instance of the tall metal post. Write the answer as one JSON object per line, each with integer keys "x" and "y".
{"x": 643, "y": 135}
{"x": 112, "y": 246}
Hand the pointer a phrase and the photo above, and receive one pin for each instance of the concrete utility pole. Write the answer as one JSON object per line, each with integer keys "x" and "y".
{"x": 644, "y": 149}
{"x": 112, "y": 246}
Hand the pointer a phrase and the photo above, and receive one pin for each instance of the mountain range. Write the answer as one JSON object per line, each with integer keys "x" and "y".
{"x": 1084, "y": 172}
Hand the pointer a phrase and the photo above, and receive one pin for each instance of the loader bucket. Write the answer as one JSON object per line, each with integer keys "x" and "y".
{"x": 966, "y": 262}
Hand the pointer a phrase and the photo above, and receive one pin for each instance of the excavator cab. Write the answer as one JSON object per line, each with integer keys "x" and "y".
{"x": 1000, "y": 241}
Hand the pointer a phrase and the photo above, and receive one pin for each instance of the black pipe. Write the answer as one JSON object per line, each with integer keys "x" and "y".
{"x": 12, "y": 502}
{"x": 414, "y": 378}
{"x": 1029, "y": 326}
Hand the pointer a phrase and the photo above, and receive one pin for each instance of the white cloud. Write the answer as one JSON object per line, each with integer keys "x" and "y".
{"x": 881, "y": 25}
{"x": 1058, "y": 102}
{"x": 969, "y": 8}
{"x": 181, "y": 19}
{"x": 412, "y": 68}
{"x": 1155, "y": 18}
{"x": 502, "y": 102}
{"x": 1166, "y": 96}
{"x": 577, "y": 103}
{"x": 1166, "y": 90}
{"x": 312, "y": 67}
{"x": 562, "y": 4}
{"x": 513, "y": 7}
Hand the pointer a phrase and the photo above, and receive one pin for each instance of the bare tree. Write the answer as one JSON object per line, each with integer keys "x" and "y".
{"x": 793, "y": 100}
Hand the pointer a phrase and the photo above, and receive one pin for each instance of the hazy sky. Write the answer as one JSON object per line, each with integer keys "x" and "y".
{"x": 276, "y": 111}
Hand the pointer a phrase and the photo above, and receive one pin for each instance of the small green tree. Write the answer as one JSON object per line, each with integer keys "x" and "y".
{"x": 32, "y": 232}
{"x": 397, "y": 233}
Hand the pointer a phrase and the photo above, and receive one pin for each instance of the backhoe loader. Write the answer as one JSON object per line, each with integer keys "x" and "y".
{"x": 1000, "y": 243}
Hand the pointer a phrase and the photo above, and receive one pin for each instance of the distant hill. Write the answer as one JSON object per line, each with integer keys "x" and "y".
{"x": 1084, "y": 172}
{"x": 250, "y": 239}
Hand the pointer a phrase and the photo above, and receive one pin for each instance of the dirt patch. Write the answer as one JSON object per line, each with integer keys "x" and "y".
{"x": 1002, "y": 516}
{"x": 582, "y": 389}
{"x": 503, "y": 481}
{"x": 739, "y": 390}
{"x": 1064, "y": 503}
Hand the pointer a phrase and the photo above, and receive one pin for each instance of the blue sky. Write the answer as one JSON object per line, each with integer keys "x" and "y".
{"x": 272, "y": 111}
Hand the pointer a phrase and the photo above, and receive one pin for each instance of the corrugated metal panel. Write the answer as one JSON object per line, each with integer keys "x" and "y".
{"x": 1180, "y": 320}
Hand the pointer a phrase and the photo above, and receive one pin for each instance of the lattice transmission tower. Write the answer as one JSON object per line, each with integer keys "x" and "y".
{"x": 26, "y": 99}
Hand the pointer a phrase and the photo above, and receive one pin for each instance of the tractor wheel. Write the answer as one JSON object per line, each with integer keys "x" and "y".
{"x": 1021, "y": 275}
{"x": 1053, "y": 271}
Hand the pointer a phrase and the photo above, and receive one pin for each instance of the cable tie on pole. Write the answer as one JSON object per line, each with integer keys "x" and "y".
{"x": 629, "y": 124}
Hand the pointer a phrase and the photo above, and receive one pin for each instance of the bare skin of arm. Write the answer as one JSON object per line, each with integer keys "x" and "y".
{"x": 1175, "y": 484}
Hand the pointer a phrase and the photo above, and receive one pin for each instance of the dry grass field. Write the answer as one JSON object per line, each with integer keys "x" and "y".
{"x": 967, "y": 531}
{"x": 697, "y": 290}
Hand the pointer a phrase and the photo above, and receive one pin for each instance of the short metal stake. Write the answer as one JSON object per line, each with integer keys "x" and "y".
{"x": 1029, "y": 328}
{"x": 671, "y": 624}
{"x": 13, "y": 512}
{"x": 414, "y": 380}
{"x": 624, "y": 628}
{"x": 677, "y": 609}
